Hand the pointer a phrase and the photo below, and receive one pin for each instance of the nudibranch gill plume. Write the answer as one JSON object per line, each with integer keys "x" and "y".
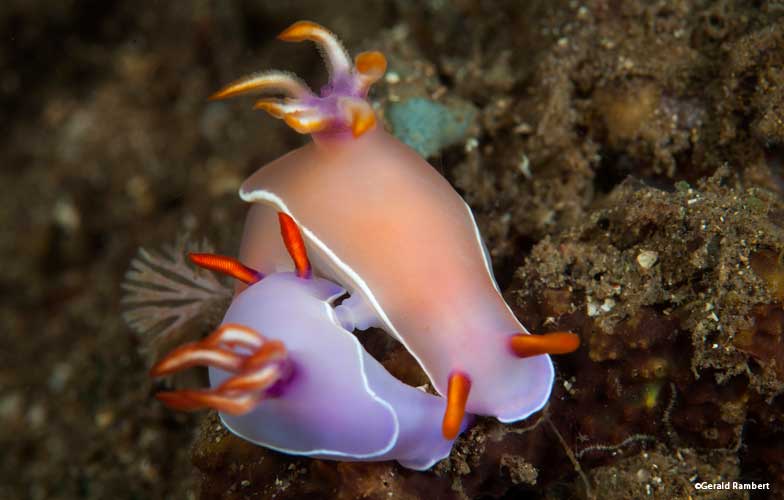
{"x": 286, "y": 375}
{"x": 385, "y": 225}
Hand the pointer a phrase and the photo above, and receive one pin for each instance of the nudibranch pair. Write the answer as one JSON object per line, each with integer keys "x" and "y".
{"x": 379, "y": 221}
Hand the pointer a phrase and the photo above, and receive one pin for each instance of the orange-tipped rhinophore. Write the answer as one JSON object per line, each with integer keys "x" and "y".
{"x": 370, "y": 67}
{"x": 372, "y": 64}
{"x": 292, "y": 238}
{"x": 226, "y": 265}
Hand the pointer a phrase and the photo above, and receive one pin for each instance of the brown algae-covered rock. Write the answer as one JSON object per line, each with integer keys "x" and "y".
{"x": 683, "y": 350}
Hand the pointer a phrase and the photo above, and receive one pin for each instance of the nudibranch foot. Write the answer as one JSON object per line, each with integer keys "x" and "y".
{"x": 341, "y": 105}
{"x": 256, "y": 364}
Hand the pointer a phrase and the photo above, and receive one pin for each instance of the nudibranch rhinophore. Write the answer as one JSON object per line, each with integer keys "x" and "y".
{"x": 384, "y": 224}
{"x": 286, "y": 375}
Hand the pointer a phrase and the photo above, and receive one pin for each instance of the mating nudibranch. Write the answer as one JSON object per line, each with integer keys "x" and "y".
{"x": 286, "y": 375}
{"x": 384, "y": 224}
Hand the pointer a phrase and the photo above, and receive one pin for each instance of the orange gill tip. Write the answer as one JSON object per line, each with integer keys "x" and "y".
{"x": 456, "y": 398}
{"x": 195, "y": 354}
{"x": 233, "y": 335}
{"x": 305, "y": 123}
{"x": 192, "y": 400}
{"x": 279, "y": 108}
{"x": 326, "y": 40}
{"x": 176, "y": 400}
{"x": 295, "y": 245}
{"x": 252, "y": 380}
{"x": 270, "y": 81}
{"x": 303, "y": 30}
{"x": 274, "y": 350}
{"x": 362, "y": 124}
{"x": 359, "y": 114}
{"x": 272, "y": 106}
{"x": 525, "y": 345}
{"x": 226, "y": 265}
{"x": 371, "y": 66}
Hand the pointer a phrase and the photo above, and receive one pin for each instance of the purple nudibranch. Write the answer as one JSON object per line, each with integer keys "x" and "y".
{"x": 287, "y": 375}
{"x": 339, "y": 402}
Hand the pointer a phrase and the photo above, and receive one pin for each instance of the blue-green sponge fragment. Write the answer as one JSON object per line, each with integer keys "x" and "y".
{"x": 428, "y": 126}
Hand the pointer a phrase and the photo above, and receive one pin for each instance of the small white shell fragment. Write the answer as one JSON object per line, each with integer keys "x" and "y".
{"x": 392, "y": 78}
{"x": 647, "y": 259}
{"x": 66, "y": 215}
{"x": 525, "y": 166}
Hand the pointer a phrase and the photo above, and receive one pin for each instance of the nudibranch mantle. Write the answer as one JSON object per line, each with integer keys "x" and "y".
{"x": 407, "y": 244}
{"x": 384, "y": 224}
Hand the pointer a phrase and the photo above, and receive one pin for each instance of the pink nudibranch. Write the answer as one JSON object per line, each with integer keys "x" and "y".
{"x": 381, "y": 222}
